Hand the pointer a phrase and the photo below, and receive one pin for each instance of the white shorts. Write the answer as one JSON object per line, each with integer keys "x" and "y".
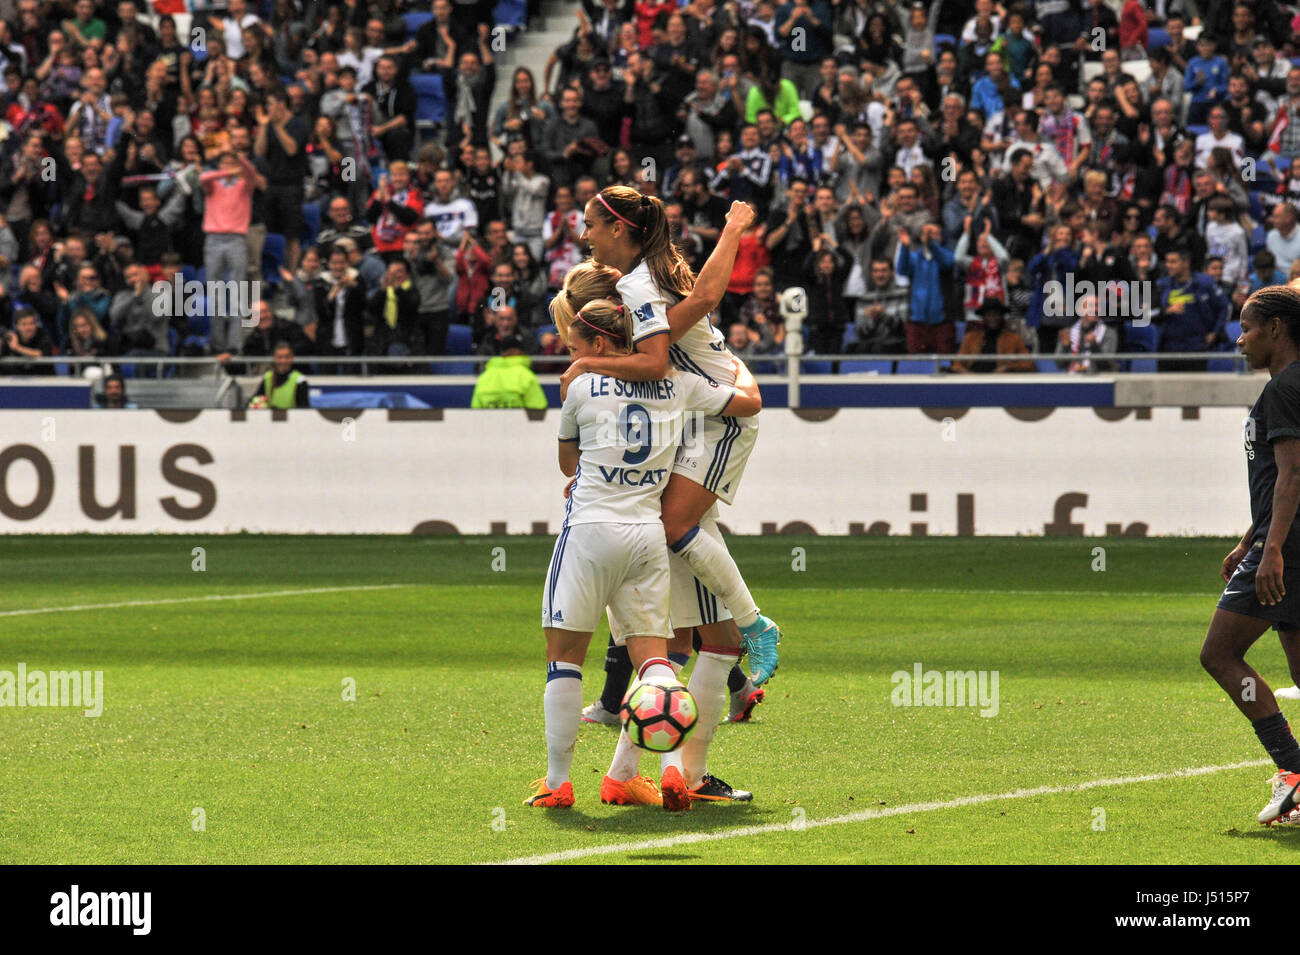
{"x": 624, "y": 566}
{"x": 693, "y": 605}
{"x": 714, "y": 452}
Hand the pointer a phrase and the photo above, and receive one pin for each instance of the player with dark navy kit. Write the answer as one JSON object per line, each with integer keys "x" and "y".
{"x": 1263, "y": 570}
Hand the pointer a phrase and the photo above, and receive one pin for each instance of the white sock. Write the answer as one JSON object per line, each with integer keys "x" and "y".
{"x": 709, "y": 687}
{"x": 673, "y": 759}
{"x": 712, "y": 563}
{"x": 657, "y": 667}
{"x": 562, "y": 703}
{"x": 627, "y": 759}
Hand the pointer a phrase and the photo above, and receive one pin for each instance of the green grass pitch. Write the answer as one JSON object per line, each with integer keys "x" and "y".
{"x": 236, "y": 707}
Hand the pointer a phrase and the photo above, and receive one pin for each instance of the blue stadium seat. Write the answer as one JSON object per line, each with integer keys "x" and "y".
{"x": 414, "y": 21}
{"x": 943, "y": 39}
{"x": 198, "y": 326}
{"x": 460, "y": 340}
{"x": 190, "y": 273}
{"x": 1047, "y": 366}
{"x": 916, "y": 366}
{"x": 814, "y": 367}
{"x": 1283, "y": 163}
{"x": 1233, "y": 330}
{"x": 1142, "y": 365}
{"x": 850, "y": 337}
{"x": 1156, "y": 38}
{"x": 510, "y": 13}
{"x": 1258, "y": 239}
{"x": 310, "y": 223}
{"x": 1222, "y": 364}
{"x": 1256, "y": 207}
{"x": 273, "y": 258}
{"x": 876, "y": 367}
{"x": 543, "y": 330}
{"x": 1141, "y": 338}
{"x": 431, "y": 100}
{"x": 961, "y": 331}
{"x": 1197, "y": 130}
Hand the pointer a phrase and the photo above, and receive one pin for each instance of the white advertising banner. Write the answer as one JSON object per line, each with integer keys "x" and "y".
{"x": 1066, "y": 471}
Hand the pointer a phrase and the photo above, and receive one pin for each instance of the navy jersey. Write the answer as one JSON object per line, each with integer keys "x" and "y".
{"x": 1276, "y": 415}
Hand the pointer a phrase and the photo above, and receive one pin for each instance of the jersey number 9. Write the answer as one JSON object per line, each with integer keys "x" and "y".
{"x": 634, "y": 424}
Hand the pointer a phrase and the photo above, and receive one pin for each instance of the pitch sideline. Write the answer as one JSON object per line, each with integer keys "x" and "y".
{"x": 867, "y": 814}
{"x": 201, "y": 598}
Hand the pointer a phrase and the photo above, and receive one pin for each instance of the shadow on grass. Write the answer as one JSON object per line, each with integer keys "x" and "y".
{"x": 1288, "y": 836}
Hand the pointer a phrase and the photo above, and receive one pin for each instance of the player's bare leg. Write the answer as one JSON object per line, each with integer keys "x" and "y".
{"x": 682, "y": 507}
{"x": 562, "y": 702}
{"x": 719, "y": 650}
{"x": 1224, "y": 657}
{"x": 623, "y": 785}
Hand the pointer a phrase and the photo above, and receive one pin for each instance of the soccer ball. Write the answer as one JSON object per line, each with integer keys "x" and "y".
{"x": 658, "y": 714}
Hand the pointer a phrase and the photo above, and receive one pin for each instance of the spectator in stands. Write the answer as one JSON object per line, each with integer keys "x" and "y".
{"x": 707, "y": 110}
{"x": 789, "y": 235}
{"x": 340, "y": 307}
{"x": 563, "y": 140}
{"x": 987, "y": 334}
{"x": 393, "y": 312}
{"x": 475, "y": 80}
{"x": 396, "y": 205}
{"x": 501, "y": 332}
{"x": 804, "y": 33}
{"x": 529, "y": 288}
{"x": 1283, "y": 239}
{"x": 525, "y": 190}
{"x": 1191, "y": 311}
{"x": 28, "y": 293}
{"x": 900, "y": 213}
{"x": 263, "y": 340}
{"x": 498, "y": 243}
{"x": 87, "y": 292}
{"x": 882, "y": 313}
{"x": 228, "y": 202}
{"x": 1206, "y": 78}
{"x": 473, "y": 274}
{"x": 561, "y": 240}
{"x": 929, "y": 329}
{"x": 984, "y": 269}
{"x": 1086, "y": 339}
{"x": 394, "y": 100}
{"x": 26, "y": 340}
{"x": 136, "y": 317}
{"x": 342, "y": 224}
{"x": 282, "y": 386}
{"x": 431, "y": 274}
{"x": 1227, "y": 240}
{"x": 826, "y": 269}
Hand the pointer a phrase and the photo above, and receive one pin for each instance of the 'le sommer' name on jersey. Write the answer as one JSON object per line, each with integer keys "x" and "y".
{"x": 661, "y": 390}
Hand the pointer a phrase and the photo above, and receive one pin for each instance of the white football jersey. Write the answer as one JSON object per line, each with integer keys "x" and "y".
{"x": 701, "y": 351}
{"x": 628, "y": 432}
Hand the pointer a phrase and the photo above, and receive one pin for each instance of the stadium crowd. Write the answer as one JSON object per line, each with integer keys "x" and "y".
{"x": 924, "y": 172}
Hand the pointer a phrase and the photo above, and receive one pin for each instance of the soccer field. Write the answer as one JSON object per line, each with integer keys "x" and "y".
{"x": 226, "y": 735}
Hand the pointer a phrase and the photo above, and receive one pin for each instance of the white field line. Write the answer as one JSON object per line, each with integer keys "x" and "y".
{"x": 867, "y": 814}
{"x": 1024, "y": 593}
{"x": 200, "y": 599}
{"x": 28, "y": 611}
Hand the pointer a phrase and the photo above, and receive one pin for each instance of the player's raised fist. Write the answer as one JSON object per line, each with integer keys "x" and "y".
{"x": 741, "y": 215}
